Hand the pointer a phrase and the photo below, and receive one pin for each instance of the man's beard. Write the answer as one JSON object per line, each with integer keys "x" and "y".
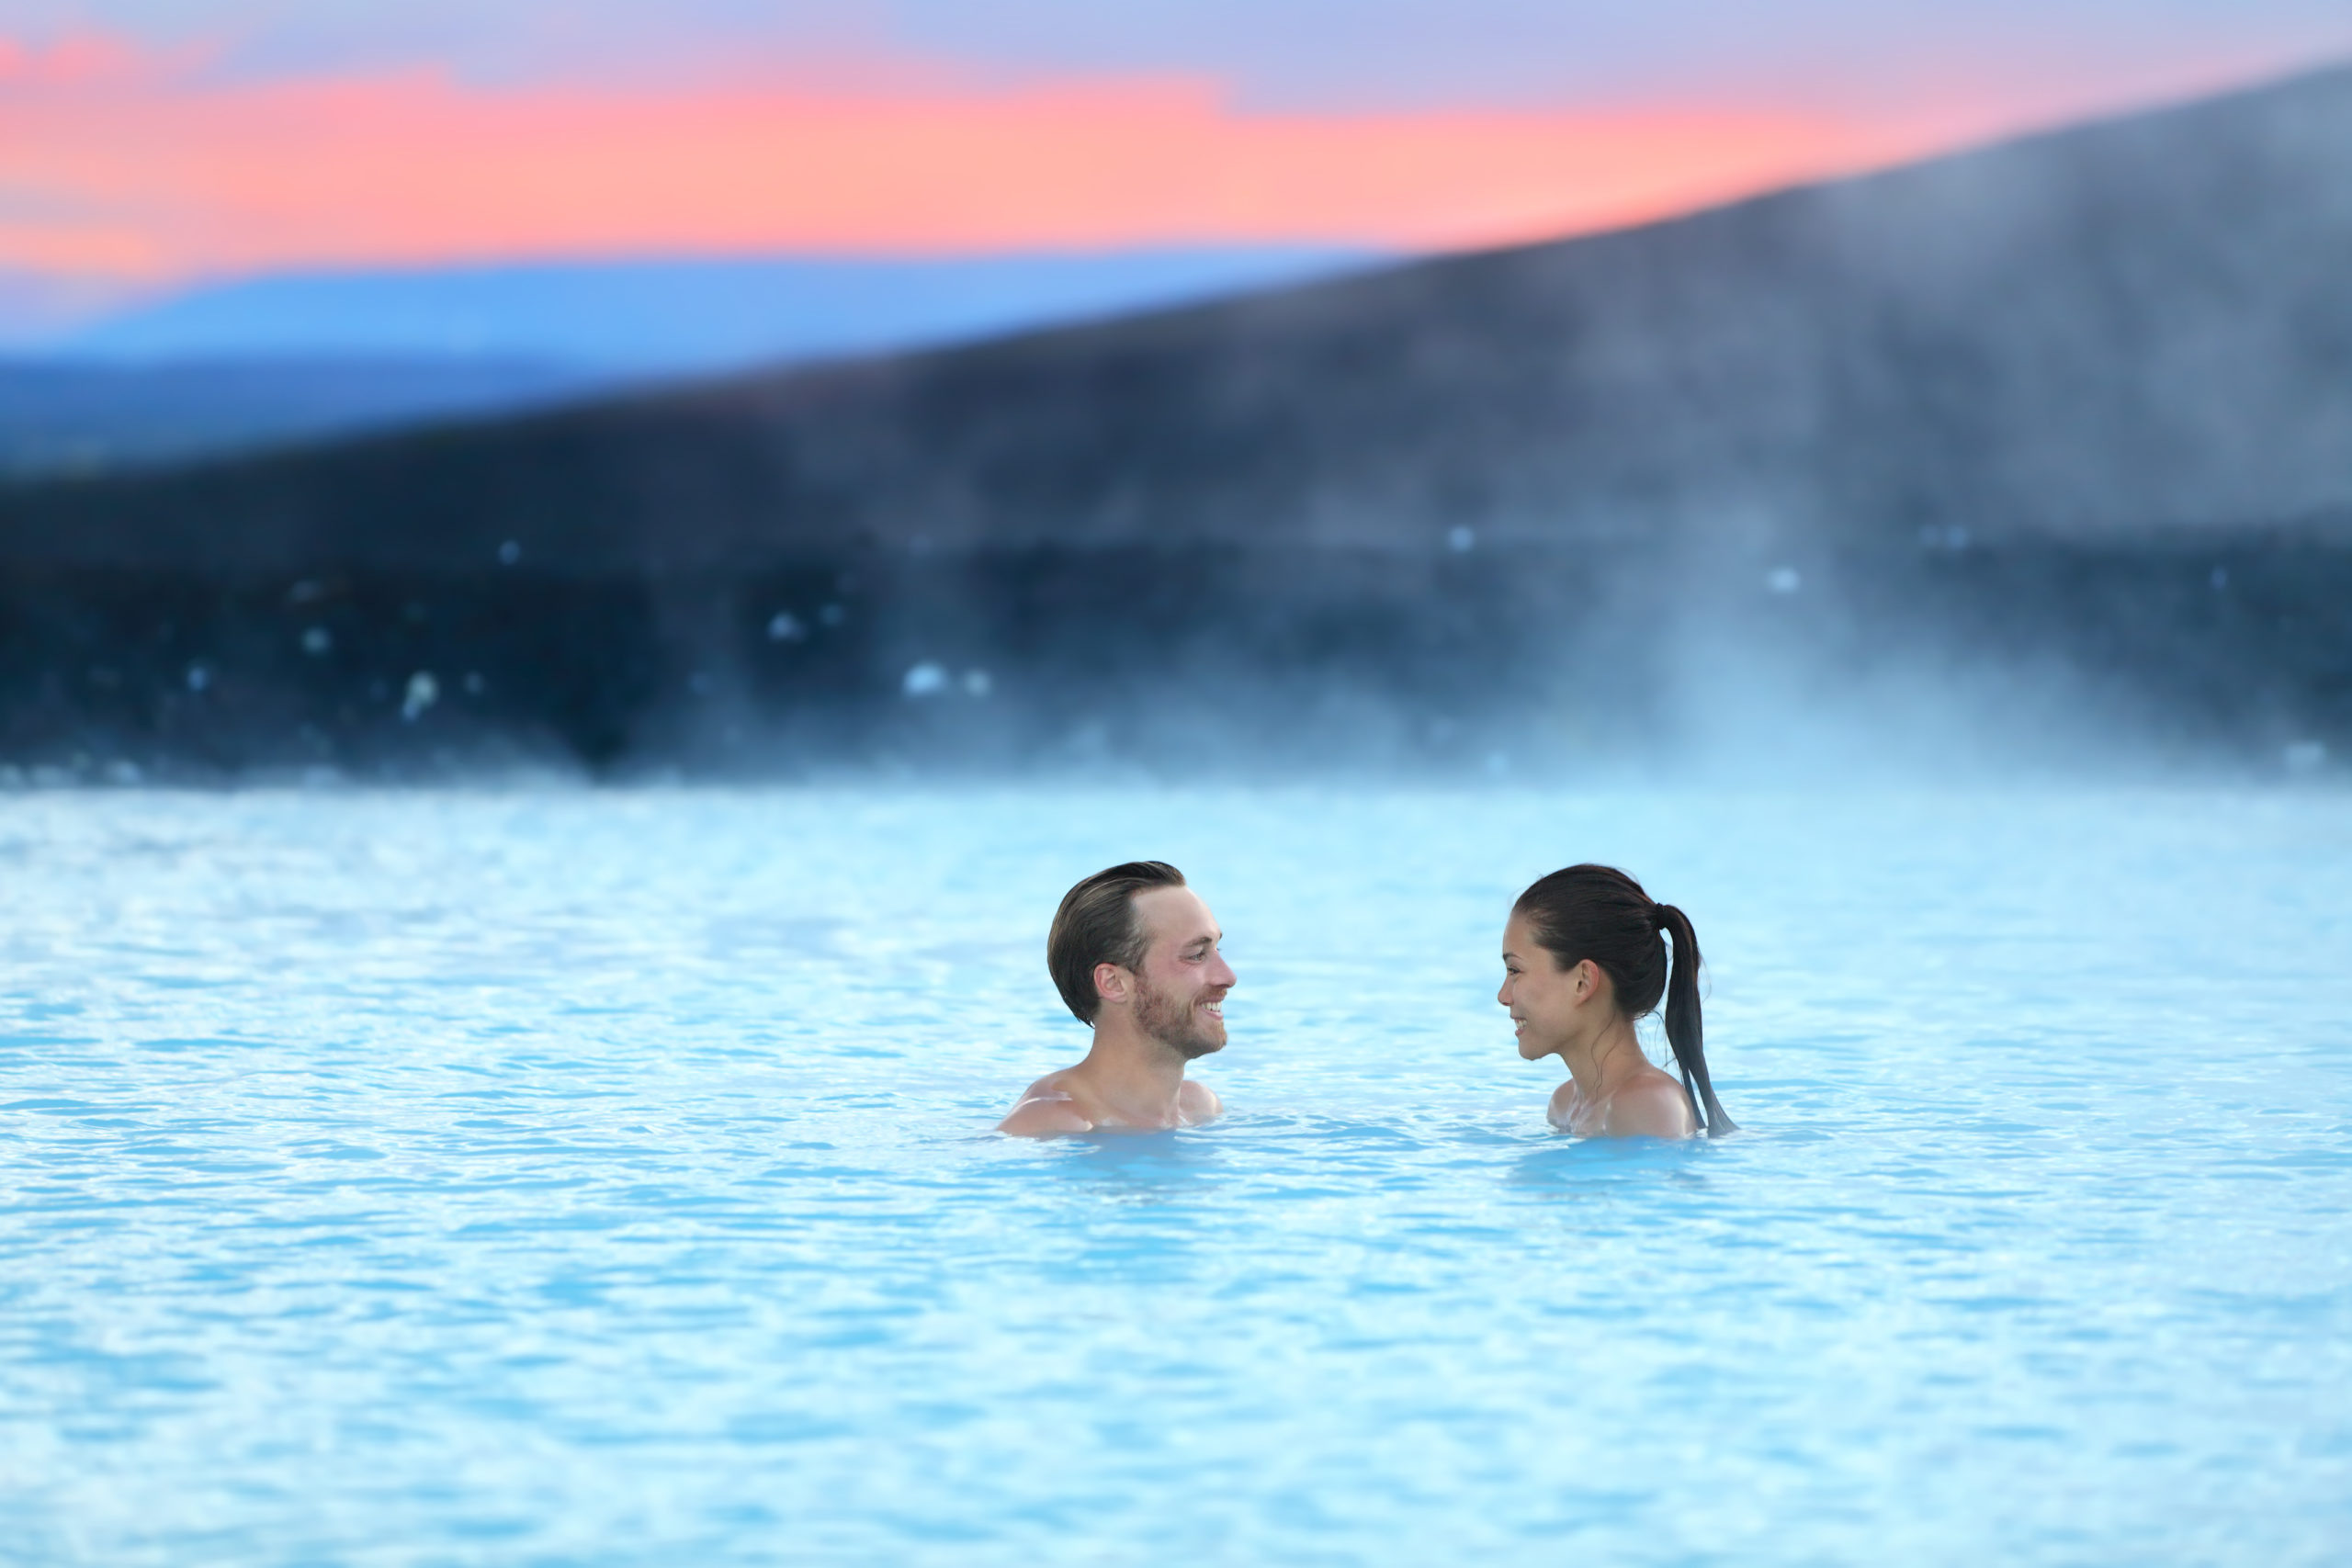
{"x": 1176, "y": 1025}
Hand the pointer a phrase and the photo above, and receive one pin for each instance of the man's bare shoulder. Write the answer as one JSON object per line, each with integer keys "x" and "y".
{"x": 1044, "y": 1117}
{"x": 1197, "y": 1102}
{"x": 1046, "y": 1108}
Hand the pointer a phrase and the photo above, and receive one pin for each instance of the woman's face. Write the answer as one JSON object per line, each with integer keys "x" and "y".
{"x": 1542, "y": 998}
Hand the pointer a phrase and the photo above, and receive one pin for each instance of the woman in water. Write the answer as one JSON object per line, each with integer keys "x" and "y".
{"x": 1583, "y": 957}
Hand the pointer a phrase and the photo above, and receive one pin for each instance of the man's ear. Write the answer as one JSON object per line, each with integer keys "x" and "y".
{"x": 1110, "y": 982}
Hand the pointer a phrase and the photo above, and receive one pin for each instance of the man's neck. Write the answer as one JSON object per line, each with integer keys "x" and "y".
{"x": 1135, "y": 1077}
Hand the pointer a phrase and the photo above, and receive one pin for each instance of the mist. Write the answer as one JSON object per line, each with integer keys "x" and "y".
{"x": 2028, "y": 461}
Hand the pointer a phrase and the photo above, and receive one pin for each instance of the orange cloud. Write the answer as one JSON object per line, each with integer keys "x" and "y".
{"x": 111, "y": 164}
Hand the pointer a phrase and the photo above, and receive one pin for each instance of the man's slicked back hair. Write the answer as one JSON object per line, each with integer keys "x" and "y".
{"x": 1097, "y": 924}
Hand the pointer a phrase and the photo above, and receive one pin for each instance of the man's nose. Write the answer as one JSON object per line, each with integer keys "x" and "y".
{"x": 1221, "y": 973}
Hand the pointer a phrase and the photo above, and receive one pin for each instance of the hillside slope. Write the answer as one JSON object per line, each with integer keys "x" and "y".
{"x": 2144, "y": 323}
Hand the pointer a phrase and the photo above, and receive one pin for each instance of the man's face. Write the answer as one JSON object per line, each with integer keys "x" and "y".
{"x": 1180, "y": 990}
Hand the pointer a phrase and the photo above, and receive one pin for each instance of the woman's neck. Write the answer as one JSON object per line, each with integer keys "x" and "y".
{"x": 1603, "y": 1062}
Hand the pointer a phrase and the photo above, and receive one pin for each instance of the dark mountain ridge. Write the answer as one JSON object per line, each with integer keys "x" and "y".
{"x": 2081, "y": 399}
{"x": 63, "y": 416}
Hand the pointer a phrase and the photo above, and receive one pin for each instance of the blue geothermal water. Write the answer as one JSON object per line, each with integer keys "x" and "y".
{"x": 572, "y": 1176}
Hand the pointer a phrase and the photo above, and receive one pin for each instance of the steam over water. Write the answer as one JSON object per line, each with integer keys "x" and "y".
{"x": 580, "y": 1177}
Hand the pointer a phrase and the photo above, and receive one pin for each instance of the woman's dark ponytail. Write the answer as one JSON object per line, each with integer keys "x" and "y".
{"x": 1599, "y": 912}
{"x": 1684, "y": 1030}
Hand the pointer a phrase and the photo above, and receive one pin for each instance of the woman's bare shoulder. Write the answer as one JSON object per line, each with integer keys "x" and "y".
{"x": 1652, "y": 1107}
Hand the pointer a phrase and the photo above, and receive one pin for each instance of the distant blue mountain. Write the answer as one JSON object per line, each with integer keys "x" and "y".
{"x": 673, "y": 317}
{"x": 293, "y": 358}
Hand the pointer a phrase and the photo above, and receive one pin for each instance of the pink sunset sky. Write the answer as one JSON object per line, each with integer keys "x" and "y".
{"x": 151, "y": 142}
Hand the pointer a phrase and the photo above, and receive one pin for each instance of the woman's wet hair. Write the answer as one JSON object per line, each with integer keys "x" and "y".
{"x": 1097, "y": 924}
{"x": 1599, "y": 912}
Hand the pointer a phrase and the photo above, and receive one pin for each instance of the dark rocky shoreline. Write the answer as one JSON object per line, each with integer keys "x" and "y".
{"x": 1297, "y": 661}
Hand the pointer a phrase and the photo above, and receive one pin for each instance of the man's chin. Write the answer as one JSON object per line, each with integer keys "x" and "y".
{"x": 1163, "y": 1019}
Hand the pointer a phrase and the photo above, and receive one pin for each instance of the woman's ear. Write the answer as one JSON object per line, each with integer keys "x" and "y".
{"x": 1588, "y": 980}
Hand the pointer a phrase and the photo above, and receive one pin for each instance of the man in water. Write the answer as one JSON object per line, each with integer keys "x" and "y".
{"x": 1134, "y": 951}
